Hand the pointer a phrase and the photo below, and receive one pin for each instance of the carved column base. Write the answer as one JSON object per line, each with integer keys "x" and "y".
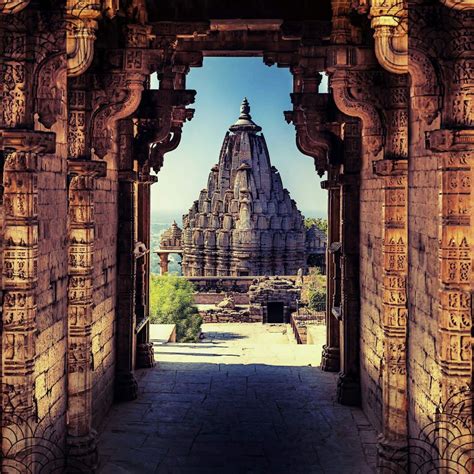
{"x": 126, "y": 387}
{"x": 82, "y": 454}
{"x": 348, "y": 390}
{"x": 392, "y": 456}
{"x": 330, "y": 359}
{"x": 145, "y": 355}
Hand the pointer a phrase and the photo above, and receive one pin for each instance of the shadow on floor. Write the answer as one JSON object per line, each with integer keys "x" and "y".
{"x": 193, "y": 417}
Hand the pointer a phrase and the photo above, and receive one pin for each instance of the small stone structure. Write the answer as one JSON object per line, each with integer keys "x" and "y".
{"x": 273, "y": 299}
{"x": 170, "y": 242}
{"x": 236, "y": 315}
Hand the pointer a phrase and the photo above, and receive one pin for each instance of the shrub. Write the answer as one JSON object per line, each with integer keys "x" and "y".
{"x": 171, "y": 302}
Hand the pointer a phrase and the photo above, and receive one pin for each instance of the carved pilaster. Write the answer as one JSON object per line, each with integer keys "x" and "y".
{"x": 81, "y": 439}
{"x": 455, "y": 162}
{"x": 125, "y": 383}
{"x": 14, "y": 76}
{"x": 125, "y": 386}
{"x": 20, "y": 152}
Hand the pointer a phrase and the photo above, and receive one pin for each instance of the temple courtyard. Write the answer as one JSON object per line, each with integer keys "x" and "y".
{"x": 246, "y": 399}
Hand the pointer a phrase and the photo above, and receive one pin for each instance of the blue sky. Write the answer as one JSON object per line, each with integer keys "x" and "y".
{"x": 221, "y": 84}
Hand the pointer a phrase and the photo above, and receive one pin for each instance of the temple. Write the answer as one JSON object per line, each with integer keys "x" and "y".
{"x": 244, "y": 222}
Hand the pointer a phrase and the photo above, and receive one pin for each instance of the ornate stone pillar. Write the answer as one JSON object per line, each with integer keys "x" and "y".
{"x": 393, "y": 440}
{"x": 81, "y": 438}
{"x": 330, "y": 361}
{"x": 393, "y": 171}
{"x": 20, "y": 156}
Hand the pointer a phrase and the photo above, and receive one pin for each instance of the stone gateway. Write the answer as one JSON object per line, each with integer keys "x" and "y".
{"x": 82, "y": 134}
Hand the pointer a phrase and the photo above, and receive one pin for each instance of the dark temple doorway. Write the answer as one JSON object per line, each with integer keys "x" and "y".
{"x": 275, "y": 313}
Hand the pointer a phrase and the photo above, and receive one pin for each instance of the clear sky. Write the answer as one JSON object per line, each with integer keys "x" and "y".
{"x": 221, "y": 85}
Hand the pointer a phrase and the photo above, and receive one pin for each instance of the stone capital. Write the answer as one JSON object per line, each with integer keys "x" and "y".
{"x": 390, "y": 167}
{"x": 27, "y": 141}
{"x": 450, "y": 140}
{"x": 90, "y": 168}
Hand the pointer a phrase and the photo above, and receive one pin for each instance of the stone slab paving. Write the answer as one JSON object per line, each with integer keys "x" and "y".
{"x": 244, "y": 400}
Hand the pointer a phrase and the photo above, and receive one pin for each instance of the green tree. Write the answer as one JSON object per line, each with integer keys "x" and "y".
{"x": 171, "y": 302}
{"x": 314, "y": 290}
{"x": 319, "y": 222}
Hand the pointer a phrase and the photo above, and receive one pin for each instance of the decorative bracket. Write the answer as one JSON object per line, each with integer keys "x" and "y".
{"x": 80, "y": 36}
{"x": 127, "y": 91}
{"x": 159, "y": 120}
{"x": 390, "y": 22}
{"x": 343, "y": 83}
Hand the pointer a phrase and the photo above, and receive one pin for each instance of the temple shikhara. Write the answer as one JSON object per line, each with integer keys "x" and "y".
{"x": 83, "y": 137}
{"x": 245, "y": 222}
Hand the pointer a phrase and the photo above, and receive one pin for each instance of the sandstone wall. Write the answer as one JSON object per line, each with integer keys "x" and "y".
{"x": 51, "y": 321}
{"x": 105, "y": 270}
{"x": 371, "y": 225}
{"x": 423, "y": 285}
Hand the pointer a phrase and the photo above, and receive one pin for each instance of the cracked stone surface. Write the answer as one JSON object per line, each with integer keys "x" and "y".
{"x": 244, "y": 400}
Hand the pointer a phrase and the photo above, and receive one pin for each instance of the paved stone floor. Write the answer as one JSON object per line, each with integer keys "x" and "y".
{"x": 244, "y": 400}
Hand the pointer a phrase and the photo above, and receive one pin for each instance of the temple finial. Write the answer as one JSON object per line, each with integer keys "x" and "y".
{"x": 245, "y": 109}
{"x": 244, "y": 122}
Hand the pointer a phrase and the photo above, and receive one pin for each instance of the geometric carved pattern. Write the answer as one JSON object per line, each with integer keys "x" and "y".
{"x": 394, "y": 319}
{"x": 455, "y": 260}
{"x": 20, "y": 277}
